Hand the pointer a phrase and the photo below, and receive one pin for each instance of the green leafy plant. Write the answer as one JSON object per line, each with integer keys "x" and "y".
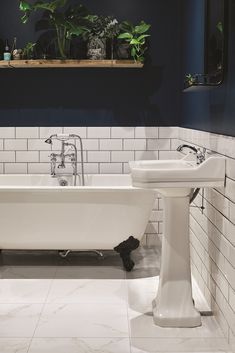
{"x": 190, "y": 80}
{"x": 100, "y": 26}
{"x": 220, "y": 27}
{"x": 103, "y": 27}
{"x": 65, "y": 21}
{"x": 28, "y": 50}
{"x": 136, "y": 37}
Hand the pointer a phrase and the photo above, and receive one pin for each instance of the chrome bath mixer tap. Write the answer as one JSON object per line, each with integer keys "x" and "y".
{"x": 64, "y": 154}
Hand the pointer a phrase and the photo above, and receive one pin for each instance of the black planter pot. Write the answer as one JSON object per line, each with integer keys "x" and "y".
{"x": 123, "y": 51}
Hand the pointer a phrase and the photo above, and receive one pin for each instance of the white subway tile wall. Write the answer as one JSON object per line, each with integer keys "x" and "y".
{"x": 213, "y": 233}
{"x": 107, "y": 150}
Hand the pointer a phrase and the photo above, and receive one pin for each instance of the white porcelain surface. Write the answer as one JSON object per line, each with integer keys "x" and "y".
{"x": 178, "y": 173}
{"x": 175, "y": 180}
{"x": 99, "y": 215}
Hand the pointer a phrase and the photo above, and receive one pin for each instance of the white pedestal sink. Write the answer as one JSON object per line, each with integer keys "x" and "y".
{"x": 175, "y": 181}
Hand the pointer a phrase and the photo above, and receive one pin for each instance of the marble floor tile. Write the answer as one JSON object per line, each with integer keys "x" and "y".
{"x": 83, "y": 305}
{"x": 143, "y": 326}
{"x": 141, "y": 293}
{"x": 80, "y": 345}
{"x": 173, "y": 345}
{"x": 87, "y": 291}
{"x": 83, "y": 320}
{"x": 19, "y": 320}
{"x": 14, "y": 345}
{"x": 24, "y": 290}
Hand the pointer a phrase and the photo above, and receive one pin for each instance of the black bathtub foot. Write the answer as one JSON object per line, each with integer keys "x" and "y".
{"x": 124, "y": 249}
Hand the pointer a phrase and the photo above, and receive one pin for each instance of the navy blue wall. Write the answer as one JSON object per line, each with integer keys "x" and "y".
{"x": 211, "y": 110}
{"x": 98, "y": 97}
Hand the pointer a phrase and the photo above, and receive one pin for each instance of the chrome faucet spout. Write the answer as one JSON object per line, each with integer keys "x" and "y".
{"x": 181, "y": 147}
{"x": 200, "y": 154}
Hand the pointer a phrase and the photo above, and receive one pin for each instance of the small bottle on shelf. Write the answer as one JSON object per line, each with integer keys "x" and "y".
{"x": 7, "y": 52}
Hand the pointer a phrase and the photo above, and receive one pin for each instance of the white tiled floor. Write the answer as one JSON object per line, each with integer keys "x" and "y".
{"x": 84, "y": 305}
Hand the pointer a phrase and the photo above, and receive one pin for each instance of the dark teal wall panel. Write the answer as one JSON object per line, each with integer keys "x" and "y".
{"x": 98, "y": 97}
{"x": 210, "y": 110}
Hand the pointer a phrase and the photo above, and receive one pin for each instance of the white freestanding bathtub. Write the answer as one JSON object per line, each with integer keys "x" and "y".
{"x": 37, "y": 213}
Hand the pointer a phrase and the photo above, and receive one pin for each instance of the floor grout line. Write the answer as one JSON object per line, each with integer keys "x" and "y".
{"x": 43, "y": 306}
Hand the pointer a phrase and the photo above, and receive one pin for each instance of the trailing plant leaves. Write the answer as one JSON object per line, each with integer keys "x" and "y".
{"x": 142, "y": 28}
{"x": 125, "y": 36}
{"x": 127, "y": 26}
{"x": 143, "y": 36}
{"x": 25, "y": 17}
{"x": 50, "y": 6}
{"x": 45, "y": 6}
{"x": 134, "y": 42}
{"x": 25, "y": 6}
{"x": 74, "y": 30}
{"x": 133, "y": 52}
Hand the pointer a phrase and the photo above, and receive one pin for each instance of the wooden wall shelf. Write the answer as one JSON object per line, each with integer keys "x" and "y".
{"x": 41, "y": 64}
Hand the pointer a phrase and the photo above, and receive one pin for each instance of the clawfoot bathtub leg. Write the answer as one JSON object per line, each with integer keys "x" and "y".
{"x": 98, "y": 253}
{"x": 64, "y": 253}
{"x": 124, "y": 249}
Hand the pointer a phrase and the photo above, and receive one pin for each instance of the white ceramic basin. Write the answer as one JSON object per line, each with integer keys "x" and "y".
{"x": 178, "y": 173}
{"x": 175, "y": 180}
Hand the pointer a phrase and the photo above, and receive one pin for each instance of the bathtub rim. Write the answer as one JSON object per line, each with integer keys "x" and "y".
{"x": 79, "y": 188}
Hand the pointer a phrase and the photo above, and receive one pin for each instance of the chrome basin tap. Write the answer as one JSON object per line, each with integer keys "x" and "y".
{"x": 200, "y": 154}
{"x": 64, "y": 154}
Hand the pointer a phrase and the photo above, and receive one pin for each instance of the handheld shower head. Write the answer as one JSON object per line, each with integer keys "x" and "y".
{"x": 49, "y": 140}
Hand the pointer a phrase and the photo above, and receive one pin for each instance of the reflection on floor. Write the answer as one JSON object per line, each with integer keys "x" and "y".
{"x": 84, "y": 305}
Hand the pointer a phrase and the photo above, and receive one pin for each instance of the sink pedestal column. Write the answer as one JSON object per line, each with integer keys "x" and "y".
{"x": 173, "y": 306}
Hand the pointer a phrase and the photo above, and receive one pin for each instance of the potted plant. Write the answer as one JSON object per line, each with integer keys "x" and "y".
{"x": 100, "y": 29}
{"x": 62, "y": 21}
{"x": 28, "y": 50}
{"x": 135, "y": 37}
{"x": 112, "y": 31}
{"x": 190, "y": 80}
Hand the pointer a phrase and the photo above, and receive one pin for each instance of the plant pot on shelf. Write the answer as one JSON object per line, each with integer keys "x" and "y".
{"x": 96, "y": 48}
{"x": 123, "y": 51}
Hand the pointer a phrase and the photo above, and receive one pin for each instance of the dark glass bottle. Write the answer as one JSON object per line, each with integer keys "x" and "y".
{"x": 7, "y": 52}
